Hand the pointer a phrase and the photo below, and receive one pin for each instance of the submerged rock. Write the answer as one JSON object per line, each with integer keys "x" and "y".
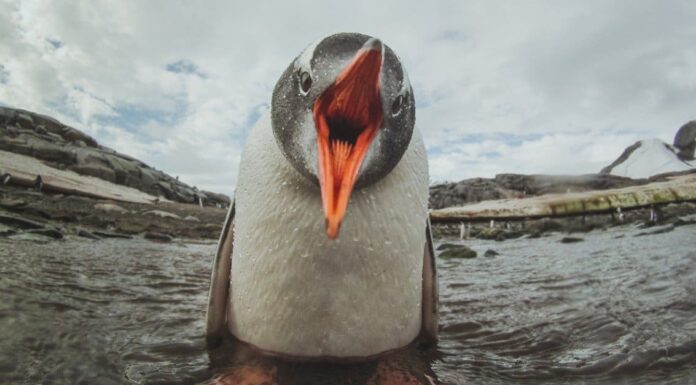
{"x": 571, "y": 240}
{"x": 446, "y": 246}
{"x": 657, "y": 230}
{"x": 490, "y": 253}
{"x": 153, "y": 236}
{"x": 457, "y": 252}
{"x": 497, "y": 233}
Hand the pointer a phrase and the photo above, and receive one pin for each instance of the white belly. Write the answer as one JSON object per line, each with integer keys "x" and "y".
{"x": 294, "y": 291}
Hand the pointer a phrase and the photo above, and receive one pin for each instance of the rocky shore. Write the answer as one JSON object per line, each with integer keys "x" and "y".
{"x": 662, "y": 219}
{"x": 512, "y": 186}
{"x": 94, "y": 192}
{"x": 65, "y": 148}
{"x": 39, "y": 216}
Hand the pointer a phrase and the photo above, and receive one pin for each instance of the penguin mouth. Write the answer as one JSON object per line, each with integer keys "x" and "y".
{"x": 347, "y": 117}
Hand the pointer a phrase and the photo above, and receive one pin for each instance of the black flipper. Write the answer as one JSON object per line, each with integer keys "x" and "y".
{"x": 429, "y": 327}
{"x": 216, "y": 322}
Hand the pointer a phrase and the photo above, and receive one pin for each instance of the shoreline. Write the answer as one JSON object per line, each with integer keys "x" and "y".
{"x": 30, "y": 214}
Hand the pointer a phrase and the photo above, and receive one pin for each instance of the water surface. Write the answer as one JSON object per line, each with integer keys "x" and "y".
{"x": 613, "y": 309}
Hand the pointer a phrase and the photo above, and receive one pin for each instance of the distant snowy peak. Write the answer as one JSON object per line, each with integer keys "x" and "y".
{"x": 646, "y": 158}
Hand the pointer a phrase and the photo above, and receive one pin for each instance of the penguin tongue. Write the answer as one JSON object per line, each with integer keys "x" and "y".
{"x": 347, "y": 116}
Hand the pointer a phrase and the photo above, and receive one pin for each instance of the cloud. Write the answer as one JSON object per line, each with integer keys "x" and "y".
{"x": 184, "y": 66}
{"x": 504, "y": 87}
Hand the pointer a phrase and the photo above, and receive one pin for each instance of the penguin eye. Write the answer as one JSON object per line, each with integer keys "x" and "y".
{"x": 305, "y": 82}
{"x": 397, "y": 105}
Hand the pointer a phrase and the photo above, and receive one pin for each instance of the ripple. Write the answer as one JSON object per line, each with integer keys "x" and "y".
{"x": 602, "y": 311}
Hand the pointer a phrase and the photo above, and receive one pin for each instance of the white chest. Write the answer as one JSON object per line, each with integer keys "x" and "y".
{"x": 294, "y": 291}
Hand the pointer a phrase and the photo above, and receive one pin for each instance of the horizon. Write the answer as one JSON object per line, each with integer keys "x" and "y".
{"x": 557, "y": 89}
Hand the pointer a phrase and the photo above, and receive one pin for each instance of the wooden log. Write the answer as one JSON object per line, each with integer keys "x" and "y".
{"x": 681, "y": 188}
{"x": 24, "y": 170}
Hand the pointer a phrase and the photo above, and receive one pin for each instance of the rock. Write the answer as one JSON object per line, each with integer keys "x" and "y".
{"x": 191, "y": 218}
{"x": 162, "y": 214}
{"x": 24, "y": 120}
{"x": 657, "y": 230}
{"x": 499, "y": 234}
{"x": 131, "y": 227}
{"x": 65, "y": 147}
{"x": 685, "y": 220}
{"x": 158, "y": 237}
{"x": 446, "y": 246}
{"x": 20, "y": 222}
{"x": 108, "y": 234}
{"x": 458, "y": 252}
{"x": 6, "y": 231}
{"x": 7, "y": 115}
{"x": 509, "y": 234}
{"x": 29, "y": 211}
{"x": 86, "y": 234}
{"x": 685, "y": 141}
{"x": 30, "y": 237}
{"x": 490, "y": 253}
{"x": 66, "y": 217}
{"x": 96, "y": 171}
{"x": 506, "y": 186}
{"x": 110, "y": 207}
{"x": 545, "y": 225}
{"x": 571, "y": 240}
{"x": 52, "y": 233}
{"x": 12, "y": 203}
{"x": 491, "y": 233}
{"x": 222, "y": 199}
{"x": 49, "y": 152}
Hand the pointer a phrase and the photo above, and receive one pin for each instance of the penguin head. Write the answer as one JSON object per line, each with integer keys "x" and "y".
{"x": 343, "y": 114}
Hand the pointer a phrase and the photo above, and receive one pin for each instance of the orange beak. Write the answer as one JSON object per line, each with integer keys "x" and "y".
{"x": 347, "y": 116}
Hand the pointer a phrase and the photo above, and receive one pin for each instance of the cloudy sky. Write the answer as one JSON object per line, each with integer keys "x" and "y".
{"x": 506, "y": 86}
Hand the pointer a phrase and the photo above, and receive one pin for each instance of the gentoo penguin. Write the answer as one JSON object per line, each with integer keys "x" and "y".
{"x": 38, "y": 183}
{"x": 326, "y": 251}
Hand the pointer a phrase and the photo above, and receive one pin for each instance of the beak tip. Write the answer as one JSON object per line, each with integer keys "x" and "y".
{"x": 332, "y": 228}
{"x": 373, "y": 44}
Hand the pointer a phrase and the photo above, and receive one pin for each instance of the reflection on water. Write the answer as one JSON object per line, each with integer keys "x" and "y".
{"x": 612, "y": 309}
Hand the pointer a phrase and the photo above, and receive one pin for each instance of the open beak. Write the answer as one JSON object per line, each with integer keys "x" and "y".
{"x": 347, "y": 116}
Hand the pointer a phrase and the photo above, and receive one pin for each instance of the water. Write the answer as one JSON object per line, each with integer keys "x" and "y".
{"x": 612, "y": 309}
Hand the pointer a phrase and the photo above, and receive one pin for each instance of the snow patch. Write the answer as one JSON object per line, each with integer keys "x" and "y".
{"x": 652, "y": 157}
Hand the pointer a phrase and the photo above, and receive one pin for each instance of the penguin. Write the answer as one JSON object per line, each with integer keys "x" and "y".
{"x": 38, "y": 183}
{"x": 326, "y": 252}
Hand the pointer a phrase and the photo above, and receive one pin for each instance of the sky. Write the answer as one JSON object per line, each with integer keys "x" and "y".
{"x": 555, "y": 87}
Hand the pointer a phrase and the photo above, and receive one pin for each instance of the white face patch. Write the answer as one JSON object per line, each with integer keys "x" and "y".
{"x": 406, "y": 82}
{"x": 304, "y": 61}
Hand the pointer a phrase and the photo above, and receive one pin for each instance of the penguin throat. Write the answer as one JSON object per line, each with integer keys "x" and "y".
{"x": 347, "y": 117}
